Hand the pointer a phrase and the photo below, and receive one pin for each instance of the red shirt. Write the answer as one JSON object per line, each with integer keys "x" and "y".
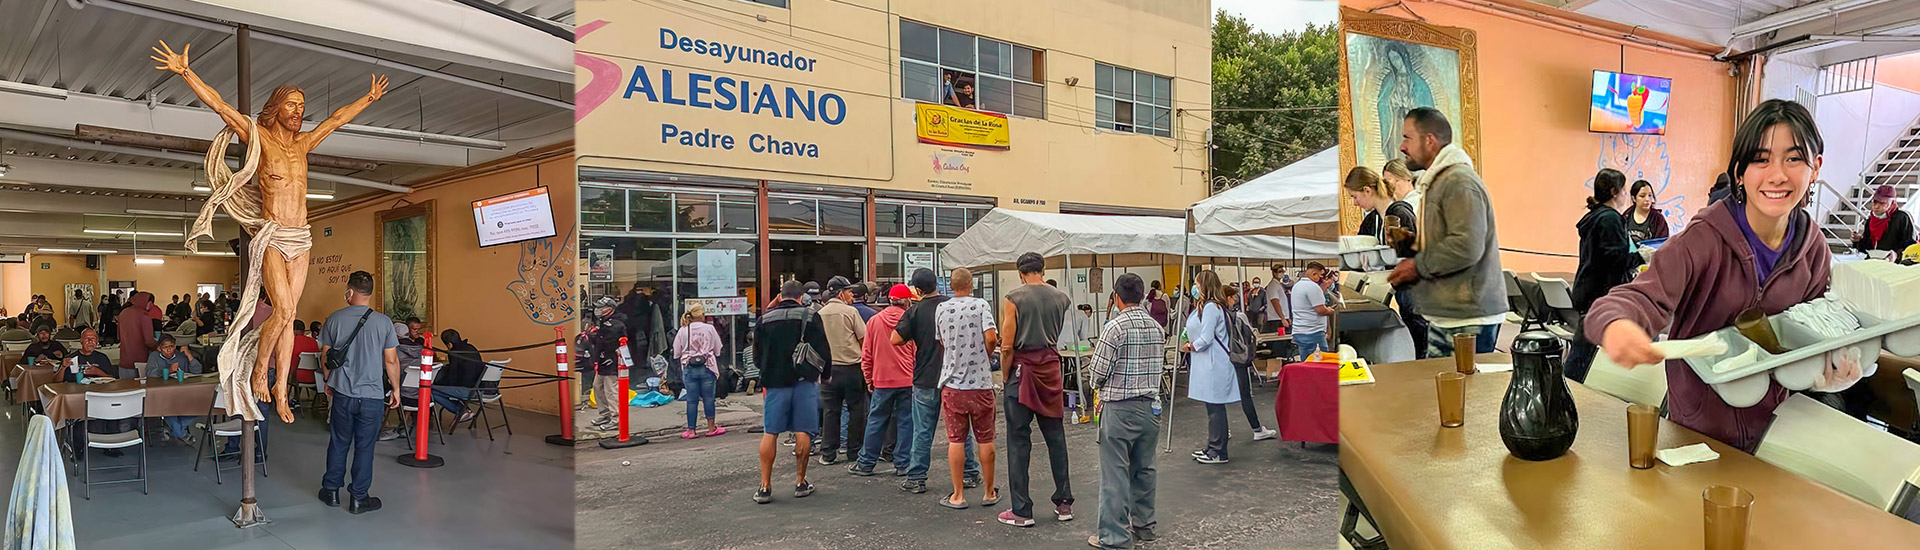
{"x": 884, "y": 364}
{"x": 302, "y": 344}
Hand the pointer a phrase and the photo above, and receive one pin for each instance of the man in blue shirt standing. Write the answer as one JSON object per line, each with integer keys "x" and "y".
{"x": 359, "y": 400}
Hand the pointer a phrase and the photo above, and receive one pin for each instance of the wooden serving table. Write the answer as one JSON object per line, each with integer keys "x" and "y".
{"x": 67, "y": 401}
{"x": 1444, "y": 488}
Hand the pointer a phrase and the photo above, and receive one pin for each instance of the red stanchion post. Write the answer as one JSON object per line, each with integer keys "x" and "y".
{"x": 422, "y": 421}
{"x": 565, "y": 437}
{"x": 626, "y": 439}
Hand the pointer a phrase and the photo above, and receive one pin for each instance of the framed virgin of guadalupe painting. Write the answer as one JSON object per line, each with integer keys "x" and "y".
{"x": 403, "y": 276}
{"x": 1389, "y": 66}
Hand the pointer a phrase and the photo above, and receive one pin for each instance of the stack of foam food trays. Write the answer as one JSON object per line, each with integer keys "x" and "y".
{"x": 1872, "y": 305}
{"x": 1365, "y": 253}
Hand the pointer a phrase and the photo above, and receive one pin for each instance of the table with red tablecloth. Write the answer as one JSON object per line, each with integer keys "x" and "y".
{"x": 1308, "y": 405}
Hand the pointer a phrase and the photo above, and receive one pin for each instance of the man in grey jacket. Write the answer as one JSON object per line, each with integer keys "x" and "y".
{"x": 1456, "y": 278}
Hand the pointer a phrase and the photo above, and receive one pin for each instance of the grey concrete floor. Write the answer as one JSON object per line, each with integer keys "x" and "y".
{"x": 697, "y": 494}
{"x": 514, "y": 492}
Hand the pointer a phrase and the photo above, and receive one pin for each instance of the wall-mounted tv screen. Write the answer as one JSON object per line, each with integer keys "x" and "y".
{"x": 1629, "y": 103}
{"x": 514, "y": 217}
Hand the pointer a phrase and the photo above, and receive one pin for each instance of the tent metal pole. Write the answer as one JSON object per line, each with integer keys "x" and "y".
{"x": 1186, "y": 245}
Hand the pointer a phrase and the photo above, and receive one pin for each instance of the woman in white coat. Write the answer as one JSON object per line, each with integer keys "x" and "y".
{"x": 1210, "y": 377}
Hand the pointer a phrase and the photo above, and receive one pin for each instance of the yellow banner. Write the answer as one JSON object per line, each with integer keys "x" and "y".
{"x": 954, "y": 126}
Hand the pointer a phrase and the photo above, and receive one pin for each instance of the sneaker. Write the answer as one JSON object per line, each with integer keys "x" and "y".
{"x": 789, "y": 441}
{"x": 1064, "y": 512}
{"x": 689, "y": 434}
{"x": 802, "y": 490}
{"x": 859, "y": 471}
{"x": 390, "y": 435}
{"x": 829, "y": 459}
{"x": 1264, "y": 434}
{"x": 1145, "y": 534}
{"x": 971, "y": 482}
{"x": 1210, "y": 459}
{"x": 1008, "y": 518}
{"x": 915, "y": 487}
{"x": 1200, "y": 453}
{"x": 467, "y": 415}
{"x": 763, "y": 495}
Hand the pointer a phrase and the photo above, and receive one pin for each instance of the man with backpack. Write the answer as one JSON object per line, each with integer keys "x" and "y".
{"x": 792, "y": 349}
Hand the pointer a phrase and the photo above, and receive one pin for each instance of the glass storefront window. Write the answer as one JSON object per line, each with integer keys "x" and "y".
{"x": 950, "y": 222}
{"x": 696, "y": 213}
{"x": 888, "y": 267}
{"x": 602, "y": 208}
{"x": 919, "y": 222}
{"x": 739, "y": 215}
{"x": 974, "y": 215}
{"x": 649, "y": 211}
{"x": 793, "y": 216}
{"x": 886, "y": 220}
{"x": 843, "y": 218}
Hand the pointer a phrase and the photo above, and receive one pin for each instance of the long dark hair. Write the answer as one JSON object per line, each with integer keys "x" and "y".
{"x": 1749, "y": 137}
{"x": 1637, "y": 186}
{"x": 1606, "y": 185}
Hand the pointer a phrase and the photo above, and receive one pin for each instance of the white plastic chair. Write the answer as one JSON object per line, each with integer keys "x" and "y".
{"x": 309, "y": 361}
{"x": 15, "y": 345}
{"x": 226, "y": 425}
{"x": 1559, "y": 296}
{"x": 410, "y": 408}
{"x": 1839, "y": 451}
{"x": 487, "y": 397}
{"x": 1645, "y": 385}
{"x": 114, "y": 406}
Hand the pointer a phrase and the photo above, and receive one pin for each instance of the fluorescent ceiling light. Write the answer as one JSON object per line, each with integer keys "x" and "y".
{"x": 210, "y": 253}
{"x": 421, "y": 137}
{"x": 132, "y": 232}
{"x": 32, "y": 90}
{"x": 311, "y": 194}
{"x": 170, "y": 214}
{"x": 149, "y": 261}
{"x": 78, "y": 251}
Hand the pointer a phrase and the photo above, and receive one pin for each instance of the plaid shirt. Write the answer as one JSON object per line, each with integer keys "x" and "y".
{"x": 1129, "y": 357}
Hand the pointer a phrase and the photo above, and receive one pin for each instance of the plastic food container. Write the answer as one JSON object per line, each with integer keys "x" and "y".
{"x": 1902, "y": 342}
{"x": 1743, "y": 386}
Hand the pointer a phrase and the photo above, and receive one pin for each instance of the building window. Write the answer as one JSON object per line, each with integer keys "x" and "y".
{"x": 1126, "y": 100}
{"x": 955, "y": 68}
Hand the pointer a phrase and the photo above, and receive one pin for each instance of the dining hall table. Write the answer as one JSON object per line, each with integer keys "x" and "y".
{"x": 28, "y": 379}
{"x": 1428, "y": 487}
{"x": 67, "y": 401}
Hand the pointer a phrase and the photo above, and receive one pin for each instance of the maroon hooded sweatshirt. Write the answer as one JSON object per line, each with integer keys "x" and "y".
{"x": 136, "y": 329}
{"x": 1698, "y": 282}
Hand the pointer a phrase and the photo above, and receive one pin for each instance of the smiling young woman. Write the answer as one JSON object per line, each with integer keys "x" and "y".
{"x": 1757, "y": 250}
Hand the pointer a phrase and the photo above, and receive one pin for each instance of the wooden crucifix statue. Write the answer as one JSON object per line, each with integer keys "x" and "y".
{"x": 268, "y": 197}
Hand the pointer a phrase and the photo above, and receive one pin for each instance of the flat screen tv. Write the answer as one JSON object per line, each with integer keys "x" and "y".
{"x": 514, "y": 217}
{"x": 1629, "y": 103}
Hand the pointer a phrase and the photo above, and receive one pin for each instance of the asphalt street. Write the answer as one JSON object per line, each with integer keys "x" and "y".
{"x": 675, "y": 493}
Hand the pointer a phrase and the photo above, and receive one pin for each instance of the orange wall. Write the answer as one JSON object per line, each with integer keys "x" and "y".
{"x": 471, "y": 284}
{"x": 177, "y": 276}
{"x": 15, "y": 287}
{"x": 1902, "y": 71}
{"x": 1536, "y": 155}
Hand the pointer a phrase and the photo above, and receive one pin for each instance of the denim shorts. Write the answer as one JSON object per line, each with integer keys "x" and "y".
{"x": 793, "y": 409}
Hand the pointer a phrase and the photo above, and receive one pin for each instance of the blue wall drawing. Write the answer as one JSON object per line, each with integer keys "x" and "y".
{"x": 1644, "y": 157}
{"x": 545, "y": 289}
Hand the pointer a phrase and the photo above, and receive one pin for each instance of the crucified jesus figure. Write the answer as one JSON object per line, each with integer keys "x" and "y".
{"x": 282, "y": 181}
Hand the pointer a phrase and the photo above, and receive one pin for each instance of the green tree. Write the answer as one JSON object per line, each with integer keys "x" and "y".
{"x": 1257, "y": 70}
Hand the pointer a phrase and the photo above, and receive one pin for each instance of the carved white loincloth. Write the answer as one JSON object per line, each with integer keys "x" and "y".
{"x": 241, "y": 201}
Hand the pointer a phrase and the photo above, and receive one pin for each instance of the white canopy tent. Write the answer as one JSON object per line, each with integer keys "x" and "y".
{"x": 1303, "y": 196}
{"x": 1003, "y": 235}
